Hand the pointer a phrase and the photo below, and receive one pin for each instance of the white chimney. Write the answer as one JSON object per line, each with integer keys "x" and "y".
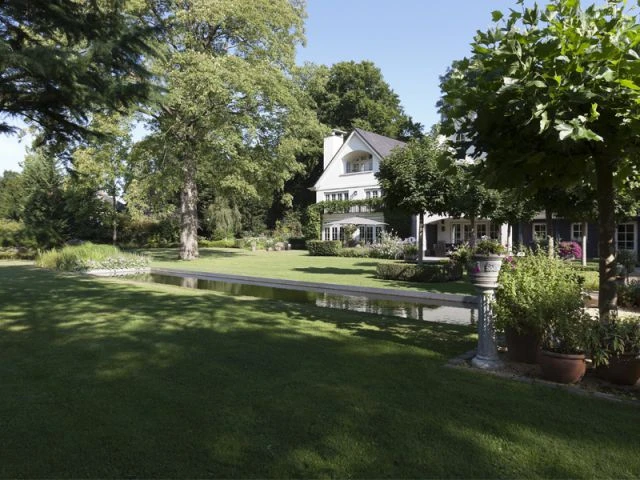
{"x": 332, "y": 144}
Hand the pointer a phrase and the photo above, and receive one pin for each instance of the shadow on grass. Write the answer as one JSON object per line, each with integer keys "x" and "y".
{"x": 108, "y": 379}
{"x": 366, "y": 264}
{"x": 335, "y": 271}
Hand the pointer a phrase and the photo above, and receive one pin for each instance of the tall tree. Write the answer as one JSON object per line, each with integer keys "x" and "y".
{"x": 469, "y": 195}
{"x": 11, "y": 195}
{"x": 352, "y": 94}
{"x": 551, "y": 96}
{"x": 44, "y": 215}
{"x": 230, "y": 114}
{"x": 101, "y": 164}
{"x": 413, "y": 179}
{"x": 60, "y": 60}
{"x": 346, "y": 95}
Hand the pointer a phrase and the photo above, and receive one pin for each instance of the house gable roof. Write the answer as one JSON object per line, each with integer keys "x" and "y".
{"x": 379, "y": 144}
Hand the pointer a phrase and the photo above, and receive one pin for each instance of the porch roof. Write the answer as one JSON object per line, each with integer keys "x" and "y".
{"x": 356, "y": 221}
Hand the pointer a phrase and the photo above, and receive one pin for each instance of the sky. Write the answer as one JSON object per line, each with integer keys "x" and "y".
{"x": 411, "y": 41}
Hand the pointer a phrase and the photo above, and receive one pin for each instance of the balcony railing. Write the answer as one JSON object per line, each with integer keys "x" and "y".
{"x": 369, "y": 205}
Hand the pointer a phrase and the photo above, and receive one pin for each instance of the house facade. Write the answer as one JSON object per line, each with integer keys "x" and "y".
{"x": 350, "y": 165}
{"x": 626, "y": 236}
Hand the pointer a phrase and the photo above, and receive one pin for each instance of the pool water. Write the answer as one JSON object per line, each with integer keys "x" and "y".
{"x": 426, "y": 310}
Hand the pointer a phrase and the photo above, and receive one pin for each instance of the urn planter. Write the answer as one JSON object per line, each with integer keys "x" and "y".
{"x": 484, "y": 271}
{"x": 562, "y": 367}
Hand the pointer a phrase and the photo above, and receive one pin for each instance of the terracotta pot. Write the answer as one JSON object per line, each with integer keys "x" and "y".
{"x": 622, "y": 370}
{"x": 522, "y": 346}
{"x": 561, "y": 367}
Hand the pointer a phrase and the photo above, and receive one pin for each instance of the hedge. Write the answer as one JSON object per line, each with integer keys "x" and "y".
{"x": 356, "y": 252}
{"x": 319, "y": 248}
{"x": 14, "y": 234}
{"x": 426, "y": 273}
{"x": 298, "y": 243}
{"x": 17, "y": 253}
{"x": 224, "y": 243}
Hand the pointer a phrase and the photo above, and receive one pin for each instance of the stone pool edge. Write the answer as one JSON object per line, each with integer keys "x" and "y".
{"x": 382, "y": 293}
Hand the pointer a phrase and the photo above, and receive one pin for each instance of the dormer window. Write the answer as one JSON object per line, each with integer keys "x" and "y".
{"x": 359, "y": 162}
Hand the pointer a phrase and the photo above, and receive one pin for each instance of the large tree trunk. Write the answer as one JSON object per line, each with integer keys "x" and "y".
{"x": 548, "y": 215}
{"x": 472, "y": 231}
{"x": 607, "y": 295}
{"x": 189, "y": 212}
{"x": 421, "y": 238}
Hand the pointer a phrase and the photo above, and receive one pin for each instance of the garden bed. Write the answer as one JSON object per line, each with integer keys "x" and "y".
{"x": 528, "y": 373}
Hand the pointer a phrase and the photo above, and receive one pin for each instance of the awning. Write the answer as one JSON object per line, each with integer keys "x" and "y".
{"x": 356, "y": 221}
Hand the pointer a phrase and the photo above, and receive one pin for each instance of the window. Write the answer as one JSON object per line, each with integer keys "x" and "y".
{"x": 494, "y": 231}
{"x": 372, "y": 193}
{"x": 336, "y": 196}
{"x": 359, "y": 163}
{"x": 539, "y": 231}
{"x": 335, "y": 233}
{"x": 327, "y": 233}
{"x": 481, "y": 230}
{"x": 460, "y": 233}
{"x": 366, "y": 234}
{"x": 576, "y": 232}
{"x": 625, "y": 236}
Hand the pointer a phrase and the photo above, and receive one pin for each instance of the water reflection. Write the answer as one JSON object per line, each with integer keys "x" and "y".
{"x": 429, "y": 311}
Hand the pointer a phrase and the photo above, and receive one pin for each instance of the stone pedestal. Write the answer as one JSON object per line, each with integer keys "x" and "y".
{"x": 487, "y": 352}
{"x": 485, "y": 278}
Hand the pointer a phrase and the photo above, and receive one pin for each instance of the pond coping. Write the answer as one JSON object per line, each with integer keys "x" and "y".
{"x": 372, "y": 292}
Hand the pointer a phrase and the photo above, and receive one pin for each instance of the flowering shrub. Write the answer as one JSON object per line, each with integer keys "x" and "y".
{"x": 569, "y": 250}
{"x": 390, "y": 246}
{"x": 489, "y": 247}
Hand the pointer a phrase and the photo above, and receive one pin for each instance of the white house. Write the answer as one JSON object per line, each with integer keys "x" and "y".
{"x": 349, "y": 174}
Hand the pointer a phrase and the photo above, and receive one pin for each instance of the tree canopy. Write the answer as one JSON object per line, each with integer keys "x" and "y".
{"x": 230, "y": 114}
{"x": 551, "y": 97}
{"x": 412, "y": 179}
{"x": 62, "y": 60}
{"x": 352, "y": 94}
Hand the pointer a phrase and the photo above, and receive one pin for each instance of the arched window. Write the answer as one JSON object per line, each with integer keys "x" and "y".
{"x": 358, "y": 162}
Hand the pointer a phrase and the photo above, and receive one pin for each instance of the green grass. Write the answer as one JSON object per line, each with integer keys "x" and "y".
{"x": 104, "y": 378}
{"x": 297, "y": 265}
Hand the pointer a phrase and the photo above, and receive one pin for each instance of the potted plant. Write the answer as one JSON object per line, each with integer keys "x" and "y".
{"x": 486, "y": 262}
{"x": 410, "y": 252}
{"x": 614, "y": 347}
{"x": 534, "y": 291}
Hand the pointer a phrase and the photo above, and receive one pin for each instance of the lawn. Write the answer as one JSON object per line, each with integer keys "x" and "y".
{"x": 104, "y": 378}
{"x": 296, "y": 265}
